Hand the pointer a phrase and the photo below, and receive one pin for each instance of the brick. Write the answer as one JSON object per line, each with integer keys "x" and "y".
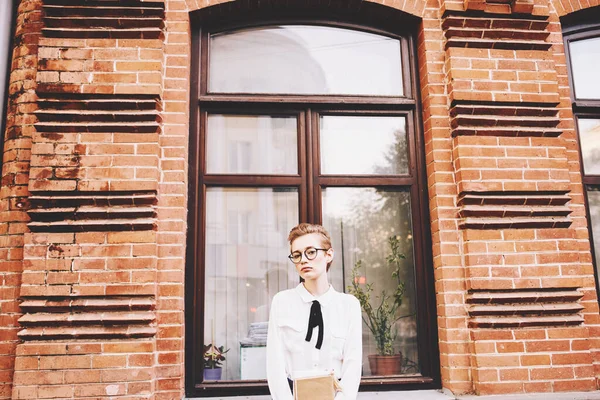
{"x": 49, "y": 392}
{"x": 100, "y": 390}
{"x": 128, "y": 347}
{"x": 552, "y": 373}
{"x": 108, "y": 361}
{"x": 529, "y": 360}
{"x": 497, "y": 361}
{"x": 62, "y": 362}
{"x": 82, "y": 376}
{"x": 571, "y": 358}
{"x": 515, "y": 374}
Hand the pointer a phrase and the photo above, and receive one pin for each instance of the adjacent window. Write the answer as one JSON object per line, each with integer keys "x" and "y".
{"x": 7, "y": 13}
{"x": 583, "y": 53}
{"x": 311, "y": 123}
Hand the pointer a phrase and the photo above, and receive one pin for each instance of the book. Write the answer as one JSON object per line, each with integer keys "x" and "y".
{"x": 316, "y": 387}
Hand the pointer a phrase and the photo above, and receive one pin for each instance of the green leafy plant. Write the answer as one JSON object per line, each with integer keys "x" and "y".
{"x": 214, "y": 356}
{"x": 381, "y": 319}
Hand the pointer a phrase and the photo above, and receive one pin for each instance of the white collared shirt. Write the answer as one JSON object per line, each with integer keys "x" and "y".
{"x": 288, "y": 352}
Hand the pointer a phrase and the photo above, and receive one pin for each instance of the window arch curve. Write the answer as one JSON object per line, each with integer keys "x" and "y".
{"x": 304, "y": 59}
{"x": 306, "y": 141}
{"x": 364, "y": 12}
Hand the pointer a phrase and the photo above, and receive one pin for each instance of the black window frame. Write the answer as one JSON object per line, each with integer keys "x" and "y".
{"x": 4, "y": 95}
{"x": 583, "y": 25}
{"x": 308, "y": 108}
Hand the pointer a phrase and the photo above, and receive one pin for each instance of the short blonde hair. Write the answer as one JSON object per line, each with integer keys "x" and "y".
{"x": 306, "y": 229}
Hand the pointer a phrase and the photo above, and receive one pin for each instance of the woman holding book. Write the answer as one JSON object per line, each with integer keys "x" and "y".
{"x": 314, "y": 330}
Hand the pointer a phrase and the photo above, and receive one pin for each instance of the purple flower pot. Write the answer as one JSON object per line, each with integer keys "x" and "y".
{"x": 212, "y": 374}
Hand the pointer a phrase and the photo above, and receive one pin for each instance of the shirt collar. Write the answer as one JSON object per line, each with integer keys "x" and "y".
{"x": 324, "y": 299}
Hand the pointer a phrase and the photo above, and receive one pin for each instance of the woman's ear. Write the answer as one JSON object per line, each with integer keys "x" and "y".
{"x": 330, "y": 255}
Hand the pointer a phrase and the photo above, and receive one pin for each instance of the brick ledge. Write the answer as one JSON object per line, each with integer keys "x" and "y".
{"x": 441, "y": 395}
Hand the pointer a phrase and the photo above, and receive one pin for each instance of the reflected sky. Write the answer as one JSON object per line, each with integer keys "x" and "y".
{"x": 297, "y": 59}
{"x": 251, "y": 144}
{"x": 585, "y": 58}
{"x": 353, "y": 145}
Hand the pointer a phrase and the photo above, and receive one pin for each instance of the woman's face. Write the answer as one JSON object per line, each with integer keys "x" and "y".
{"x": 316, "y": 268}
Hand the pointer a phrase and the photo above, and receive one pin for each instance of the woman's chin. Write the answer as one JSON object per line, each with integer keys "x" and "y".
{"x": 307, "y": 276}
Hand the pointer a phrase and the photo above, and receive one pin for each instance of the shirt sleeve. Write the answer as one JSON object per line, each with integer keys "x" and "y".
{"x": 276, "y": 375}
{"x": 352, "y": 361}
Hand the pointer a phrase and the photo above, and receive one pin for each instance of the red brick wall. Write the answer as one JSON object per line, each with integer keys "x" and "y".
{"x": 15, "y": 175}
{"x": 564, "y": 7}
{"x": 509, "y": 235}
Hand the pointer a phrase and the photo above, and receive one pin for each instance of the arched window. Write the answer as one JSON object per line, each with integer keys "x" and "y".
{"x": 582, "y": 47}
{"x": 7, "y": 14}
{"x": 303, "y": 121}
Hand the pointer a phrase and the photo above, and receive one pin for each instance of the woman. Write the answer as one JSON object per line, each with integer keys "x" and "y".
{"x": 313, "y": 328}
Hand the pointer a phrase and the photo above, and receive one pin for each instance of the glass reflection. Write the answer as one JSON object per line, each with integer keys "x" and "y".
{"x": 589, "y": 136}
{"x": 246, "y": 264}
{"x": 356, "y": 145}
{"x": 361, "y": 221}
{"x": 593, "y": 195}
{"x": 6, "y": 23}
{"x": 251, "y": 144}
{"x": 585, "y": 57}
{"x": 297, "y": 59}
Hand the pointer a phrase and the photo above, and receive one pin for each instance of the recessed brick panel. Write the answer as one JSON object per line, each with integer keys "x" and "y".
{"x": 90, "y": 259}
{"x": 96, "y": 143}
{"x": 497, "y": 164}
{"x": 492, "y": 75}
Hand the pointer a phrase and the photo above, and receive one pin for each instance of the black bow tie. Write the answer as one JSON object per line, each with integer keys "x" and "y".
{"x": 315, "y": 319}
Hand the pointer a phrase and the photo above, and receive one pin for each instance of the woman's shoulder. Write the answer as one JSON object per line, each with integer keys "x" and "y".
{"x": 284, "y": 295}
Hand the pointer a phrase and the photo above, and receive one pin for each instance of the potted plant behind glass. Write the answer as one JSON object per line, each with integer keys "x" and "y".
{"x": 381, "y": 320}
{"x": 213, "y": 357}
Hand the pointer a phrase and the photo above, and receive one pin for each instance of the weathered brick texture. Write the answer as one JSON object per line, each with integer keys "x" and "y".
{"x": 523, "y": 266}
{"x": 94, "y": 191}
{"x": 89, "y": 264}
{"x": 15, "y": 172}
{"x": 564, "y": 7}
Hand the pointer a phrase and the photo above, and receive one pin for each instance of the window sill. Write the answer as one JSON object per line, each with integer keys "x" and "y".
{"x": 405, "y": 395}
{"x": 440, "y": 395}
{"x": 257, "y": 388}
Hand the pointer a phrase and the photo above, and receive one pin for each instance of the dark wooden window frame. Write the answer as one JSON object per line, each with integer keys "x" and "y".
{"x": 4, "y": 96}
{"x": 575, "y": 29}
{"x": 309, "y": 183}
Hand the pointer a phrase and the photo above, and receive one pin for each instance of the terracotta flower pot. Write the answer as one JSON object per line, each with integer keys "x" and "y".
{"x": 385, "y": 365}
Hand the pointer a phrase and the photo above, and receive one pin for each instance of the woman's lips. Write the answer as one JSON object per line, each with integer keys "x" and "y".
{"x": 305, "y": 269}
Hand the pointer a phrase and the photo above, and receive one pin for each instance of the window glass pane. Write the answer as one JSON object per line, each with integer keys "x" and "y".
{"x": 585, "y": 57}
{"x": 589, "y": 136}
{"x": 298, "y": 59}
{"x": 6, "y": 14}
{"x": 361, "y": 222}
{"x": 353, "y": 145}
{"x": 252, "y": 144}
{"x": 593, "y": 194}
{"x": 245, "y": 265}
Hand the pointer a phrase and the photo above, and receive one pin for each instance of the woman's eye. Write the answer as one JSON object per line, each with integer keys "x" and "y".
{"x": 311, "y": 252}
{"x": 297, "y": 256}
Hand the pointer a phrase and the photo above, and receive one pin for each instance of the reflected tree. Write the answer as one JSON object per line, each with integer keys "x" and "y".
{"x": 376, "y": 215}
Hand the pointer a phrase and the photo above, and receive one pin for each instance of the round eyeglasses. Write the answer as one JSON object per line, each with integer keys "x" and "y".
{"x": 310, "y": 253}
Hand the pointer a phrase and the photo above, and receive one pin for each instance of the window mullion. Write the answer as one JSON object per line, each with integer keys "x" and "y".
{"x": 311, "y": 164}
